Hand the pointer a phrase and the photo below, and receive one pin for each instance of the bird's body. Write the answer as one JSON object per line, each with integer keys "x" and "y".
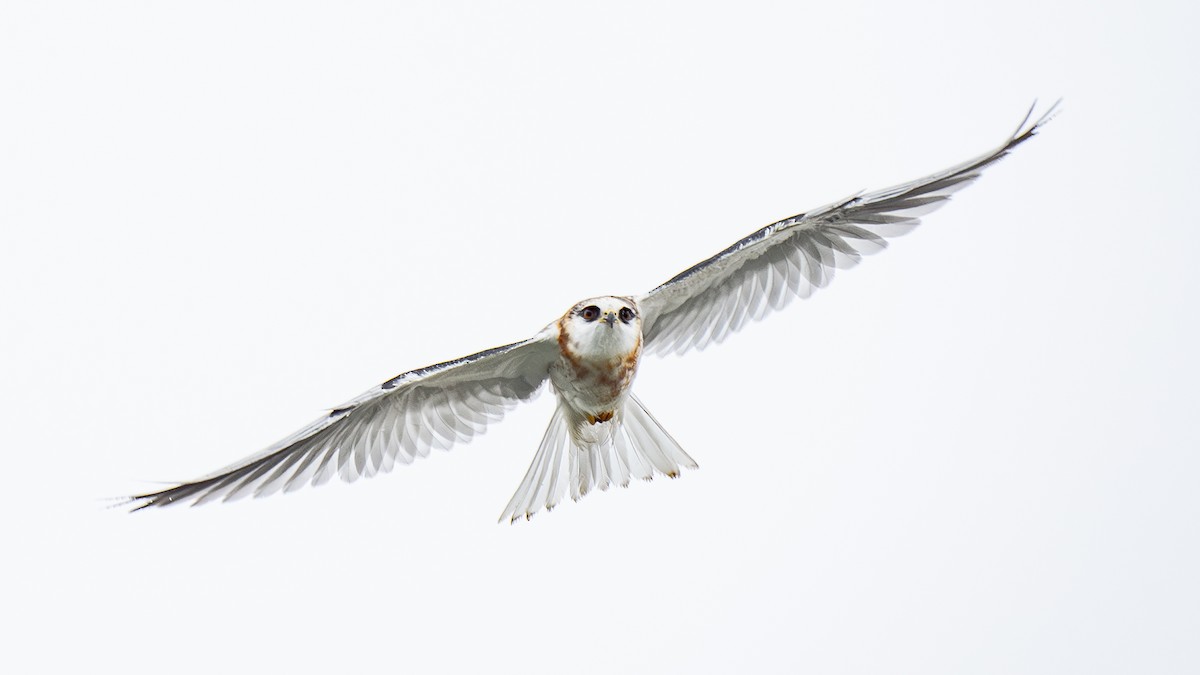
{"x": 598, "y": 358}
{"x": 605, "y": 434}
{"x": 600, "y": 434}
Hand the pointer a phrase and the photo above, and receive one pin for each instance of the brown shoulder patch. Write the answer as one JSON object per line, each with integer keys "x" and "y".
{"x": 564, "y": 348}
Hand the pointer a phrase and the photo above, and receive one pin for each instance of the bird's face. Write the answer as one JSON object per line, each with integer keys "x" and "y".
{"x": 606, "y": 325}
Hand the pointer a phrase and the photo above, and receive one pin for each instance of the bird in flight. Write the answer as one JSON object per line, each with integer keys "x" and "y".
{"x": 600, "y": 434}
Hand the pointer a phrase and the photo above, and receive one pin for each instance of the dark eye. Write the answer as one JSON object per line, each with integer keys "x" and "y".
{"x": 626, "y": 314}
{"x": 590, "y": 313}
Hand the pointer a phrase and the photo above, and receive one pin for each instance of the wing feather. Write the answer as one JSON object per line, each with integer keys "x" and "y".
{"x": 436, "y": 406}
{"x": 790, "y": 258}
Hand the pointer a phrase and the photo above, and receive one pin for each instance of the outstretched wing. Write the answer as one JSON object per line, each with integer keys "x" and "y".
{"x": 796, "y": 255}
{"x": 397, "y": 421}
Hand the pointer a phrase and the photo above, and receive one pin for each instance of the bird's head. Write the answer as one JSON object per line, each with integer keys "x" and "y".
{"x": 604, "y": 325}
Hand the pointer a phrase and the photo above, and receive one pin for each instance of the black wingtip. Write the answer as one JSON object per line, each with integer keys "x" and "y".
{"x": 117, "y": 502}
{"x": 1048, "y": 115}
{"x": 178, "y": 493}
{"x": 1025, "y": 130}
{"x": 138, "y": 502}
{"x": 1024, "y": 120}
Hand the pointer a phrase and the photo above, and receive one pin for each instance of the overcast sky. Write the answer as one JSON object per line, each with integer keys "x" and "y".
{"x": 974, "y": 453}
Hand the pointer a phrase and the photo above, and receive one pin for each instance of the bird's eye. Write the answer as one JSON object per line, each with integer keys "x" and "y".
{"x": 590, "y": 313}
{"x": 626, "y": 314}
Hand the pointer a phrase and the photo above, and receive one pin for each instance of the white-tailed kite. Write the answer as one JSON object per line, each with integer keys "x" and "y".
{"x": 600, "y": 434}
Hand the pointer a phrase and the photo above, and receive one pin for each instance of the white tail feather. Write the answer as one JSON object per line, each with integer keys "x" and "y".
{"x": 630, "y": 445}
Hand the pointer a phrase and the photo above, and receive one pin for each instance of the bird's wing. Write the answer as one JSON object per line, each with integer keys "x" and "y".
{"x": 796, "y": 255}
{"x": 397, "y": 421}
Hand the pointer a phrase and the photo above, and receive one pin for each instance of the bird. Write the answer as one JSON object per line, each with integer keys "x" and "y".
{"x": 600, "y": 434}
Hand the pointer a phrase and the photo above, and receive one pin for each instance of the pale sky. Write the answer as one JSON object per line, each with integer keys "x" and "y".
{"x": 974, "y": 453}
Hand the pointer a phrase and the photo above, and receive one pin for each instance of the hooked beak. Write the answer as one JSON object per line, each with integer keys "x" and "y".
{"x": 609, "y": 318}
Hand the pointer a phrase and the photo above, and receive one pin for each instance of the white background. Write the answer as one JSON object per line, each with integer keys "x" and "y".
{"x": 975, "y": 453}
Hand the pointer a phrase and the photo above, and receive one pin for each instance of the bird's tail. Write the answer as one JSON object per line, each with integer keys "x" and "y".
{"x": 582, "y": 456}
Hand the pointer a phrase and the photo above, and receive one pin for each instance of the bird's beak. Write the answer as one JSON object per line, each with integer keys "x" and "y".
{"x": 610, "y": 318}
